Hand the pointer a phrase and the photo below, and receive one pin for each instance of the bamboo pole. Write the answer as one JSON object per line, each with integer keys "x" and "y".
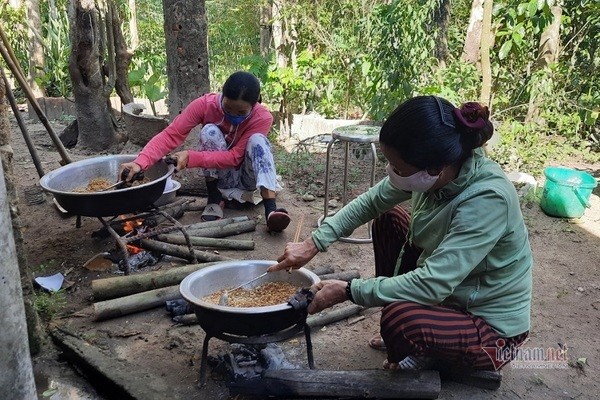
{"x": 30, "y": 96}
{"x": 224, "y": 231}
{"x": 119, "y": 286}
{"x": 30, "y": 146}
{"x": 219, "y": 222}
{"x": 331, "y": 316}
{"x": 136, "y": 302}
{"x": 322, "y": 270}
{"x": 180, "y": 251}
{"x": 342, "y": 276}
{"x": 208, "y": 242}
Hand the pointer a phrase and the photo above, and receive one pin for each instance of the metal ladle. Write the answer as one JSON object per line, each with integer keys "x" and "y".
{"x": 224, "y": 299}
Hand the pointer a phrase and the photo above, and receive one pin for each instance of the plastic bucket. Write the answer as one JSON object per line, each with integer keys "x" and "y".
{"x": 566, "y": 192}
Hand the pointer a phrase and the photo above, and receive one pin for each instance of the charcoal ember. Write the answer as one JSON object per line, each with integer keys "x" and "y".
{"x": 246, "y": 362}
{"x": 139, "y": 260}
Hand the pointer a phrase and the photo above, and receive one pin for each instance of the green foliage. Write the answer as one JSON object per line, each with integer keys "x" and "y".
{"x": 148, "y": 75}
{"x": 233, "y": 34}
{"x": 57, "y": 49}
{"x": 458, "y": 82}
{"x": 401, "y": 52}
{"x": 150, "y": 87}
{"x": 49, "y": 304}
{"x": 17, "y": 34}
{"x": 530, "y": 147}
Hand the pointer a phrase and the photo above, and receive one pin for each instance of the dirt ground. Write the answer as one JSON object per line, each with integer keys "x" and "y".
{"x": 565, "y": 303}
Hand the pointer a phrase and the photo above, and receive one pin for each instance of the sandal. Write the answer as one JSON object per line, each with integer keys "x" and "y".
{"x": 278, "y": 220}
{"x": 377, "y": 343}
{"x": 212, "y": 212}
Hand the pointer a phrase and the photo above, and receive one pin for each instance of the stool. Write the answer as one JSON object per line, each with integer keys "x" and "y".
{"x": 350, "y": 134}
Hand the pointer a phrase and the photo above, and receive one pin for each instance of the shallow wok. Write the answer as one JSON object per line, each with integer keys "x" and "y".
{"x": 63, "y": 181}
{"x": 249, "y": 321}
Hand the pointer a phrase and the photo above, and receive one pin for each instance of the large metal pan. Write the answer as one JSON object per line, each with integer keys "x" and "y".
{"x": 251, "y": 321}
{"x": 63, "y": 181}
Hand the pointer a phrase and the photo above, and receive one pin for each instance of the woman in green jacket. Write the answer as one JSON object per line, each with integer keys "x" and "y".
{"x": 454, "y": 276}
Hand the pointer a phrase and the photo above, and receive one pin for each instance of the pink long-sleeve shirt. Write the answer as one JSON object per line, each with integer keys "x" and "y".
{"x": 207, "y": 110}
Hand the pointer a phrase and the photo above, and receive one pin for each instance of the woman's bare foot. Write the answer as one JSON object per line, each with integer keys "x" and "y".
{"x": 377, "y": 343}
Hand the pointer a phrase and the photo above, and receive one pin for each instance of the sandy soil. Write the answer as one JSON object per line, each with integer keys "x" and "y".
{"x": 565, "y": 305}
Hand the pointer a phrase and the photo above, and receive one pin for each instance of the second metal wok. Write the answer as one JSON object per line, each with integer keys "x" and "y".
{"x": 63, "y": 181}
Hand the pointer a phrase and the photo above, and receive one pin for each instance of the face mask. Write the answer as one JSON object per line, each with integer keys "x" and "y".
{"x": 417, "y": 182}
{"x": 234, "y": 119}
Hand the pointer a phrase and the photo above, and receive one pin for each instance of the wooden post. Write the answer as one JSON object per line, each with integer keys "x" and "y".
{"x": 16, "y": 379}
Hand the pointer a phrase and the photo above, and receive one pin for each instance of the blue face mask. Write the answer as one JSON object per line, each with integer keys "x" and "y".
{"x": 235, "y": 119}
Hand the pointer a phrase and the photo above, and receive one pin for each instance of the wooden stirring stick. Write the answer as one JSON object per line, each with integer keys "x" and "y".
{"x": 297, "y": 235}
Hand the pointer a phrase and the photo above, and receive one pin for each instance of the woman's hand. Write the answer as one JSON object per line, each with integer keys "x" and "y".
{"x": 295, "y": 255}
{"x": 133, "y": 169}
{"x": 329, "y": 293}
{"x": 182, "y": 159}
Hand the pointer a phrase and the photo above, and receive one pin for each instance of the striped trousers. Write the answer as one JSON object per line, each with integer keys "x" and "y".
{"x": 408, "y": 328}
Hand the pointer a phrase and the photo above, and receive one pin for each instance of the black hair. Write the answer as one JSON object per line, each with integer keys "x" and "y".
{"x": 242, "y": 85}
{"x": 426, "y": 134}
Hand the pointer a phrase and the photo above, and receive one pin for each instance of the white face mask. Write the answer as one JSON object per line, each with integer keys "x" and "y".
{"x": 417, "y": 182}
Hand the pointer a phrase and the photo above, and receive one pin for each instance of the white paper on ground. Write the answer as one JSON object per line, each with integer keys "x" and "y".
{"x": 52, "y": 283}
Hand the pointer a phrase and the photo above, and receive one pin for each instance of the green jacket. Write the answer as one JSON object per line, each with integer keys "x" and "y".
{"x": 476, "y": 253}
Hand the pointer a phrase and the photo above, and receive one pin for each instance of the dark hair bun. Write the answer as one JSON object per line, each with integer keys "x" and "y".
{"x": 473, "y": 121}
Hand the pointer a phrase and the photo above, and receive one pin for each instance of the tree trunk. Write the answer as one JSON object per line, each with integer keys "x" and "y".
{"x": 133, "y": 28}
{"x": 266, "y": 24}
{"x": 278, "y": 35}
{"x": 547, "y": 54}
{"x": 36, "y": 51}
{"x": 186, "y": 34}
{"x": 86, "y": 70}
{"x": 442, "y": 20}
{"x": 473, "y": 37}
{"x": 123, "y": 56}
{"x": 486, "y": 42}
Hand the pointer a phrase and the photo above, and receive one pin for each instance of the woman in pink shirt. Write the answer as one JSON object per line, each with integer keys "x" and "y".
{"x": 233, "y": 149}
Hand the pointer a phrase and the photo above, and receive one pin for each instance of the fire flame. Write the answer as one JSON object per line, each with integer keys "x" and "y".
{"x": 134, "y": 249}
{"x": 130, "y": 226}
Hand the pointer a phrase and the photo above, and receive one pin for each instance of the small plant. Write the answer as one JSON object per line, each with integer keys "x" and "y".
{"x": 49, "y": 304}
{"x": 151, "y": 88}
{"x": 46, "y": 265}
